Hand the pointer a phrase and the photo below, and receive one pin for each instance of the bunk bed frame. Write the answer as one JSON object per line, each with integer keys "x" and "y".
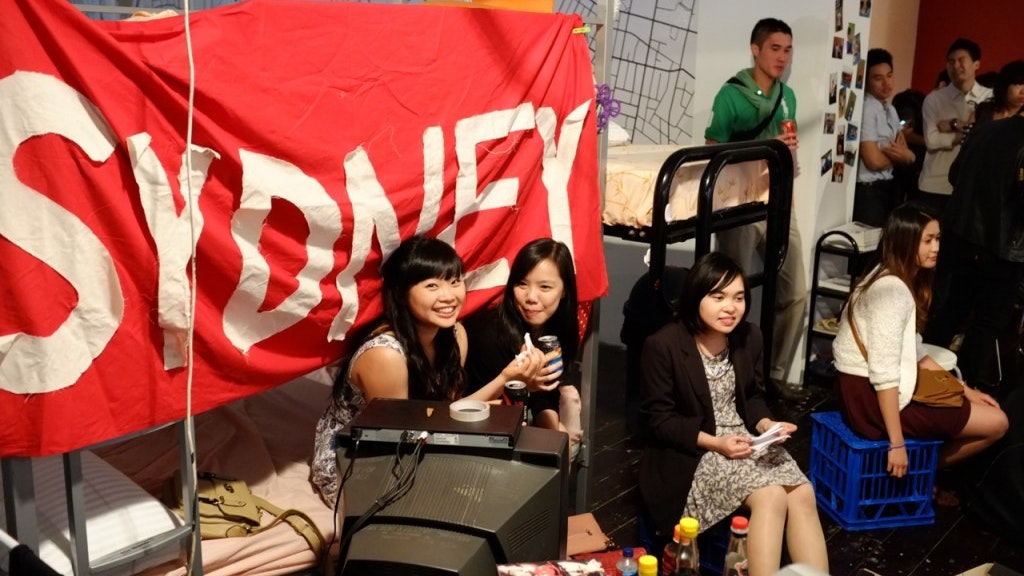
{"x": 708, "y": 221}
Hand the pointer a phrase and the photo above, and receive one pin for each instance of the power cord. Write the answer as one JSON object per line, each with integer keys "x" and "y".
{"x": 405, "y": 478}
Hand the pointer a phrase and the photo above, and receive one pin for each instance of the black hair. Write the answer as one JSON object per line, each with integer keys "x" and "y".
{"x": 942, "y": 78}
{"x": 987, "y": 79}
{"x": 563, "y": 323}
{"x": 417, "y": 259}
{"x": 970, "y": 46}
{"x": 1010, "y": 74}
{"x": 878, "y": 56}
{"x": 909, "y": 104}
{"x": 765, "y": 28}
{"x": 711, "y": 272}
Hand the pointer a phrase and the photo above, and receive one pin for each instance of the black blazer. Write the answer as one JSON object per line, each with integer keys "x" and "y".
{"x": 676, "y": 407}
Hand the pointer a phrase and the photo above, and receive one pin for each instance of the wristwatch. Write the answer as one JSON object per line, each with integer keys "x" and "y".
{"x": 954, "y": 124}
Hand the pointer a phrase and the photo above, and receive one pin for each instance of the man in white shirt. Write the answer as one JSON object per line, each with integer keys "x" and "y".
{"x": 947, "y": 112}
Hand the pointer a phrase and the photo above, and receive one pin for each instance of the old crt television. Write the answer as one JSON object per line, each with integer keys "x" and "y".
{"x": 466, "y": 510}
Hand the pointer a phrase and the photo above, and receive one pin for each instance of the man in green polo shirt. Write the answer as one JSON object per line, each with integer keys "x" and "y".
{"x": 753, "y": 105}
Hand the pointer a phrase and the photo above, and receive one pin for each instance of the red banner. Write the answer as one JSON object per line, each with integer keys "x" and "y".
{"x": 323, "y": 134}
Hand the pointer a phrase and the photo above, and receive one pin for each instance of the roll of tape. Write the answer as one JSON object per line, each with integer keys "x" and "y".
{"x": 470, "y": 410}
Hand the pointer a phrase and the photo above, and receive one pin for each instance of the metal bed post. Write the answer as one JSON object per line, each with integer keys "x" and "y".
{"x": 776, "y": 213}
{"x": 20, "y": 500}
{"x": 603, "y": 23}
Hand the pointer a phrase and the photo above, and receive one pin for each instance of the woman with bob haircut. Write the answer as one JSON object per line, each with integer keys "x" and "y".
{"x": 703, "y": 398}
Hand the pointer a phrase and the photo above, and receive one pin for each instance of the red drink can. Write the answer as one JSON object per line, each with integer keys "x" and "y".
{"x": 789, "y": 127}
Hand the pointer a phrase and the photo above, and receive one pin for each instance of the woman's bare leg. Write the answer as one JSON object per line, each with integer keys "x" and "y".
{"x": 767, "y": 524}
{"x": 805, "y": 539}
{"x": 986, "y": 425}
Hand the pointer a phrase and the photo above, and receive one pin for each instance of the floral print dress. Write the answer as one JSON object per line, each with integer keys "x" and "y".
{"x": 344, "y": 406}
{"x": 720, "y": 484}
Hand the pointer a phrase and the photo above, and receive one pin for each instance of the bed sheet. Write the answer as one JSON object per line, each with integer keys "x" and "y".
{"x": 266, "y": 440}
{"x": 632, "y": 174}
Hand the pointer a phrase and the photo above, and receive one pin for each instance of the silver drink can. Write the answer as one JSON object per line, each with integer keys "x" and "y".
{"x": 550, "y": 344}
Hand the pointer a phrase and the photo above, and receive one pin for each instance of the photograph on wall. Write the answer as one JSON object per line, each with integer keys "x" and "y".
{"x": 851, "y": 157}
{"x": 839, "y": 15}
{"x": 851, "y": 105}
{"x": 832, "y": 87}
{"x": 856, "y": 48}
{"x": 837, "y": 47}
{"x": 842, "y": 102}
{"x": 851, "y": 132}
{"x": 830, "y": 123}
{"x": 826, "y": 162}
{"x": 851, "y": 30}
{"x": 840, "y": 144}
{"x": 860, "y": 74}
{"x": 865, "y": 8}
{"x": 837, "y": 172}
{"x": 847, "y": 79}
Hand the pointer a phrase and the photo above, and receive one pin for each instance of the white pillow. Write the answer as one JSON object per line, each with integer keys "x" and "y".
{"x": 119, "y": 513}
{"x": 617, "y": 135}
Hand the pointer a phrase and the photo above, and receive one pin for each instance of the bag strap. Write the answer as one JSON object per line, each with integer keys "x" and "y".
{"x": 853, "y": 330}
{"x": 299, "y": 521}
{"x": 755, "y": 131}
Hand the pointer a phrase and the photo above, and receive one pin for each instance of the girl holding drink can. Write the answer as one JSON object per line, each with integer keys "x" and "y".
{"x": 539, "y": 301}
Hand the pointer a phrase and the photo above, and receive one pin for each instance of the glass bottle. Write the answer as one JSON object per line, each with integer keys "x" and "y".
{"x": 736, "y": 553}
{"x": 687, "y": 562}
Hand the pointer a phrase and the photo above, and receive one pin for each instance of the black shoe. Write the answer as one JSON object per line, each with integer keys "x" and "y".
{"x": 784, "y": 390}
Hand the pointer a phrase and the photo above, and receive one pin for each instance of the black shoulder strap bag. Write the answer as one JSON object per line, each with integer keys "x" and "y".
{"x": 755, "y": 131}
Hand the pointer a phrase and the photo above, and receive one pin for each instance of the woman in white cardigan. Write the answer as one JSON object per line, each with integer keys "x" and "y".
{"x": 889, "y": 308}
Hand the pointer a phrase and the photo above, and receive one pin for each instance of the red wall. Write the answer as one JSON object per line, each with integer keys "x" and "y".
{"x": 996, "y": 25}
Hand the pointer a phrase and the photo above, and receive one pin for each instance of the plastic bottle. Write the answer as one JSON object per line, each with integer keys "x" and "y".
{"x": 668, "y": 556}
{"x": 736, "y": 553}
{"x": 687, "y": 563}
{"x": 627, "y": 566}
{"x": 648, "y": 565}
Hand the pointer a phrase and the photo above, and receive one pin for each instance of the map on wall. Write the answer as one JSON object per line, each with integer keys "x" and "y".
{"x": 653, "y": 66}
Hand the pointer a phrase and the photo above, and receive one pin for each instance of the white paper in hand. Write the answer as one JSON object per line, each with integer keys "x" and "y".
{"x": 769, "y": 437}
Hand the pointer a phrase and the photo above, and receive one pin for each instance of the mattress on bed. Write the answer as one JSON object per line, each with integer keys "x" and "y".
{"x": 632, "y": 175}
{"x": 266, "y": 440}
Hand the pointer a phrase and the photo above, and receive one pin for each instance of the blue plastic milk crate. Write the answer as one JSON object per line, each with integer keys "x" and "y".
{"x": 852, "y": 485}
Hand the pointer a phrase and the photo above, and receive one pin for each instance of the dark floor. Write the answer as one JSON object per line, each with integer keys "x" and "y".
{"x": 953, "y": 544}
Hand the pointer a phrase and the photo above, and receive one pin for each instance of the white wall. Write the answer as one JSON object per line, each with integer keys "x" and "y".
{"x": 724, "y": 48}
{"x": 894, "y": 27}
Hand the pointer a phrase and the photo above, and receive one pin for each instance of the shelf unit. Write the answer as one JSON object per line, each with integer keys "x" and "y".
{"x": 829, "y": 290}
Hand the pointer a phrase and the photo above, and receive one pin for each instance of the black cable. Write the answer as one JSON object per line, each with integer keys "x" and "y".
{"x": 405, "y": 478}
{"x": 337, "y": 503}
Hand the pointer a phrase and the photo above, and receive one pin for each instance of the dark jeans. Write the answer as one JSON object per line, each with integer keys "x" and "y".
{"x": 971, "y": 280}
{"x": 874, "y": 201}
